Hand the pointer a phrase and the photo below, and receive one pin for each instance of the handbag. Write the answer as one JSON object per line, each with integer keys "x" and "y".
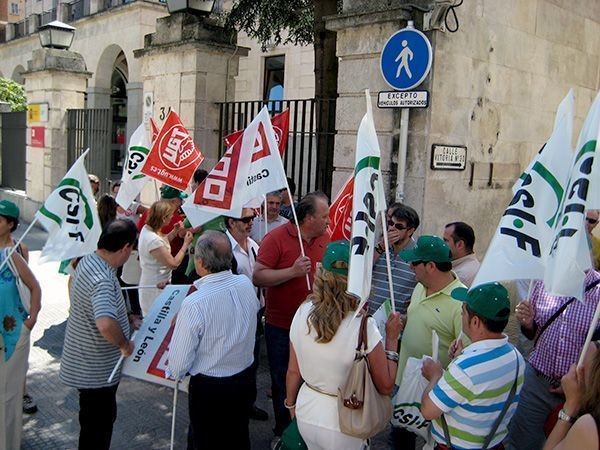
{"x": 24, "y": 291}
{"x": 362, "y": 410}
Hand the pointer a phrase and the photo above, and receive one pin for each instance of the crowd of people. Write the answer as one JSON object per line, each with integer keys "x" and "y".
{"x": 252, "y": 282}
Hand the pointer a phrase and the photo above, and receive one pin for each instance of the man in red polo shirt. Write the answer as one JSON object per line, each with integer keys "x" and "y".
{"x": 282, "y": 269}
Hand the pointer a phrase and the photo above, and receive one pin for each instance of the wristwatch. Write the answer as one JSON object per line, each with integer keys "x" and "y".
{"x": 562, "y": 415}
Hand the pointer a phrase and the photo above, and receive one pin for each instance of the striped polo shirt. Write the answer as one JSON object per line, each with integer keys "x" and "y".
{"x": 473, "y": 391}
{"x": 88, "y": 358}
{"x": 403, "y": 278}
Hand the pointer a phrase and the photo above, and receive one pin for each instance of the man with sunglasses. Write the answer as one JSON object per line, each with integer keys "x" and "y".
{"x": 402, "y": 221}
{"x": 431, "y": 308}
{"x": 244, "y": 250}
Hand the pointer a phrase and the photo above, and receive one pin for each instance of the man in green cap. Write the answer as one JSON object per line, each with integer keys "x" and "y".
{"x": 431, "y": 308}
{"x": 478, "y": 393}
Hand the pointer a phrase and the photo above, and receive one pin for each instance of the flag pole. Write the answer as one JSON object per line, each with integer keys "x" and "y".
{"x": 386, "y": 245}
{"x": 590, "y": 333}
{"x": 287, "y": 186}
{"x": 174, "y": 415}
{"x": 119, "y": 362}
{"x": 16, "y": 246}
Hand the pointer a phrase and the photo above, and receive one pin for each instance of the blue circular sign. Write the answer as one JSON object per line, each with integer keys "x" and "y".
{"x": 406, "y": 59}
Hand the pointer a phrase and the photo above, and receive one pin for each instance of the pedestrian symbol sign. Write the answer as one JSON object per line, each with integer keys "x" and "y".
{"x": 406, "y": 58}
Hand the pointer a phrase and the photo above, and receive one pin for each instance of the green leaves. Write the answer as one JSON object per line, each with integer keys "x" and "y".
{"x": 13, "y": 93}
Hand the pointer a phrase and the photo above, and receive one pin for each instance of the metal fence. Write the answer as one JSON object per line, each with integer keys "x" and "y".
{"x": 308, "y": 158}
{"x": 91, "y": 128}
{"x": 13, "y": 129}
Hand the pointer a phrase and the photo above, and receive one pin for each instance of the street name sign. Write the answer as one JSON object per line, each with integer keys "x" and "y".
{"x": 448, "y": 157}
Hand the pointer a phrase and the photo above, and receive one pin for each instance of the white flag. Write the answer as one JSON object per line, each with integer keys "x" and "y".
{"x": 249, "y": 169}
{"x": 368, "y": 200}
{"x": 569, "y": 254}
{"x": 70, "y": 217}
{"x": 133, "y": 180}
{"x": 526, "y": 229}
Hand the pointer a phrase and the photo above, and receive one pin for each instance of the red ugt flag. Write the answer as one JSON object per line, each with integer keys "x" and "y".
{"x": 174, "y": 157}
{"x": 281, "y": 126}
{"x": 340, "y": 213}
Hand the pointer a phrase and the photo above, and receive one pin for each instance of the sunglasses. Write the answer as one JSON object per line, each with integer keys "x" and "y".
{"x": 397, "y": 226}
{"x": 416, "y": 263}
{"x": 591, "y": 221}
{"x": 246, "y": 220}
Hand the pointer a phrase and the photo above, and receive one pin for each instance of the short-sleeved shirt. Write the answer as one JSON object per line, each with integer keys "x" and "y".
{"x": 152, "y": 269}
{"x": 279, "y": 250}
{"x": 473, "y": 391}
{"x": 403, "y": 278}
{"x": 325, "y": 365}
{"x": 176, "y": 242}
{"x": 88, "y": 358}
{"x": 439, "y": 312}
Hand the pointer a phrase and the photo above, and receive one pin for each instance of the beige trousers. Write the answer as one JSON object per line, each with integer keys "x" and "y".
{"x": 12, "y": 375}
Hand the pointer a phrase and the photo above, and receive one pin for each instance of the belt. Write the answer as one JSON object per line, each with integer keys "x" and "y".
{"x": 320, "y": 391}
{"x": 444, "y": 447}
{"x": 553, "y": 381}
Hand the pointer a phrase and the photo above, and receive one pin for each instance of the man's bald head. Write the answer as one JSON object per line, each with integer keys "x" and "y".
{"x": 213, "y": 249}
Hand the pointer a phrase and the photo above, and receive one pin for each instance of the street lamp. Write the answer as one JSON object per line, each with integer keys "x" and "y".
{"x": 56, "y": 35}
{"x": 198, "y": 7}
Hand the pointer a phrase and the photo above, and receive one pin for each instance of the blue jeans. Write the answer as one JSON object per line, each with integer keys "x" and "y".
{"x": 278, "y": 352}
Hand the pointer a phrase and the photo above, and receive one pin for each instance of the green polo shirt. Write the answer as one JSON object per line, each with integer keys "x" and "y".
{"x": 439, "y": 312}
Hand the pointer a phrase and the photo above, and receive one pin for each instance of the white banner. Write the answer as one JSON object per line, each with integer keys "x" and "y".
{"x": 368, "y": 200}
{"x": 526, "y": 229}
{"x": 70, "y": 216}
{"x": 249, "y": 169}
{"x": 133, "y": 180}
{"x": 149, "y": 359}
{"x": 569, "y": 254}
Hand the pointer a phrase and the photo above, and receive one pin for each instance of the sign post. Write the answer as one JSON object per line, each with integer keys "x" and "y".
{"x": 405, "y": 62}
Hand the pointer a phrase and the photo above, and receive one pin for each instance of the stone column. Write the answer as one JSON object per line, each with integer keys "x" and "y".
{"x": 189, "y": 64}
{"x": 135, "y": 100}
{"x": 98, "y": 97}
{"x": 59, "y": 78}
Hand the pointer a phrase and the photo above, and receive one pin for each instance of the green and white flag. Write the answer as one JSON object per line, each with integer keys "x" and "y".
{"x": 133, "y": 180}
{"x": 368, "y": 200}
{"x": 526, "y": 229}
{"x": 70, "y": 216}
{"x": 569, "y": 253}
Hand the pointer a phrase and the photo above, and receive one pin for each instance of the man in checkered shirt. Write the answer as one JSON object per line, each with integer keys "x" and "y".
{"x": 555, "y": 350}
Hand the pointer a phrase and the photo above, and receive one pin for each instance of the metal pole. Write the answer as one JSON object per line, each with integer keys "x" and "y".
{"x": 402, "y": 149}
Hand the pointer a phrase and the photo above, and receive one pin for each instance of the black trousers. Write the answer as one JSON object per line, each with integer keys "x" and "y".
{"x": 220, "y": 411}
{"x": 97, "y": 414}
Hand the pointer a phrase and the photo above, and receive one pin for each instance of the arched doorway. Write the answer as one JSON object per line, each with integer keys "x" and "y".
{"x": 118, "y": 104}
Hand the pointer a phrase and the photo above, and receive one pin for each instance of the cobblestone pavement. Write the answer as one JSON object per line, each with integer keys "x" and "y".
{"x": 144, "y": 409}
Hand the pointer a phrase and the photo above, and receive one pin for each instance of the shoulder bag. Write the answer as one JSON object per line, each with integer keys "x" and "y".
{"x": 24, "y": 291}
{"x": 362, "y": 410}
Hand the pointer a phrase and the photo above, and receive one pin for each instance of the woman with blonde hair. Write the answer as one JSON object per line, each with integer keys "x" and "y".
{"x": 579, "y": 420}
{"x": 323, "y": 339}
{"x": 154, "y": 248}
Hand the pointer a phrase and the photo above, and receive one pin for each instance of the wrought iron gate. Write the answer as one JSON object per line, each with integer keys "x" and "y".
{"x": 308, "y": 158}
{"x": 91, "y": 128}
{"x": 14, "y": 129}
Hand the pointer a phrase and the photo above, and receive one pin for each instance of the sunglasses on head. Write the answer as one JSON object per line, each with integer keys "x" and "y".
{"x": 246, "y": 219}
{"x": 397, "y": 226}
{"x": 591, "y": 221}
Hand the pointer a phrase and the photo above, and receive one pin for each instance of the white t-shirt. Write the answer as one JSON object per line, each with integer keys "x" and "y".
{"x": 152, "y": 270}
{"x": 325, "y": 366}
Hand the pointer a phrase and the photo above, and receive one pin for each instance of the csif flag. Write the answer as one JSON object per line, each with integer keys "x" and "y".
{"x": 368, "y": 200}
{"x": 569, "y": 253}
{"x": 526, "y": 229}
{"x": 133, "y": 180}
{"x": 174, "y": 157}
{"x": 340, "y": 213}
{"x": 248, "y": 170}
{"x": 70, "y": 216}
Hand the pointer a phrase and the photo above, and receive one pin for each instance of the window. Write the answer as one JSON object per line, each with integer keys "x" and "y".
{"x": 14, "y": 9}
{"x": 273, "y": 86}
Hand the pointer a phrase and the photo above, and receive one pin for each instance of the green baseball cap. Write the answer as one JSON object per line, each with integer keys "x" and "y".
{"x": 9, "y": 209}
{"x": 337, "y": 251}
{"x": 168, "y": 192}
{"x": 489, "y": 300}
{"x": 428, "y": 248}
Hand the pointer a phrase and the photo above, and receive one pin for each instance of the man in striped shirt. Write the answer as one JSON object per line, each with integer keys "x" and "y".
{"x": 476, "y": 396}
{"x": 213, "y": 341}
{"x": 98, "y": 334}
{"x": 402, "y": 222}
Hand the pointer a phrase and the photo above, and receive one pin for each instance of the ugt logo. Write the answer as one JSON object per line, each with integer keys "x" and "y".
{"x": 177, "y": 150}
